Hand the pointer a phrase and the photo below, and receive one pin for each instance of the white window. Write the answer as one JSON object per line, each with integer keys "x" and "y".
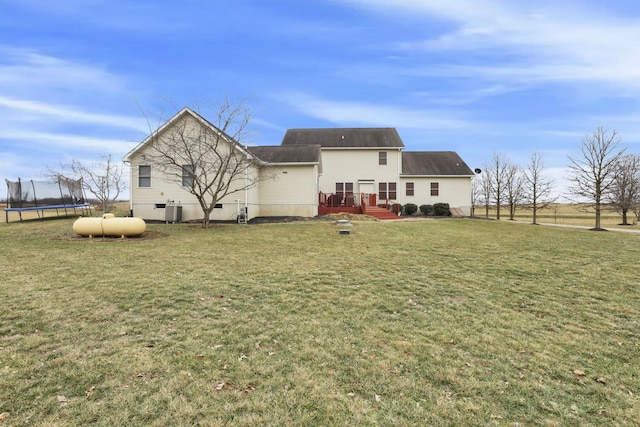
{"x": 187, "y": 176}
{"x": 382, "y": 157}
{"x": 144, "y": 176}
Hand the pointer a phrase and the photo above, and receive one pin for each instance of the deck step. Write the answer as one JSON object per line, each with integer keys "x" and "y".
{"x": 382, "y": 214}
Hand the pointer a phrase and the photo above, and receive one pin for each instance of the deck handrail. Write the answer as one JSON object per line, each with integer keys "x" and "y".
{"x": 346, "y": 199}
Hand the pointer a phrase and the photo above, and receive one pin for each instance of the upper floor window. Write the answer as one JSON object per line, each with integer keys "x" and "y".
{"x": 144, "y": 176}
{"x": 409, "y": 189}
{"x": 435, "y": 189}
{"x": 382, "y": 157}
{"x": 187, "y": 176}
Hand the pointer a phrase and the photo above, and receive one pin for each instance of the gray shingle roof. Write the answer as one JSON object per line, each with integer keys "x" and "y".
{"x": 280, "y": 154}
{"x": 434, "y": 163}
{"x": 344, "y": 137}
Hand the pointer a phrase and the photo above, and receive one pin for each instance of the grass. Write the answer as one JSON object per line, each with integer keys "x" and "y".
{"x": 566, "y": 214}
{"x": 446, "y": 322}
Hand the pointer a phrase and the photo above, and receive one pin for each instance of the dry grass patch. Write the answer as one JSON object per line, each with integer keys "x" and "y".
{"x": 455, "y": 322}
{"x": 351, "y": 217}
{"x": 564, "y": 214}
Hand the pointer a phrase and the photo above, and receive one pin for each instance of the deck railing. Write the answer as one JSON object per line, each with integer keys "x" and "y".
{"x": 347, "y": 200}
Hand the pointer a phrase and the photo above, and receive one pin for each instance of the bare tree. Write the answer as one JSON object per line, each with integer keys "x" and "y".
{"x": 592, "y": 171}
{"x": 636, "y": 211}
{"x": 104, "y": 179}
{"x": 484, "y": 190}
{"x": 625, "y": 191}
{"x": 207, "y": 158}
{"x": 513, "y": 186}
{"x": 496, "y": 179}
{"x": 537, "y": 186}
{"x": 476, "y": 193}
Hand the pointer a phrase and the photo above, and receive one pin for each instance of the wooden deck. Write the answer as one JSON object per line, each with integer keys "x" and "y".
{"x": 354, "y": 203}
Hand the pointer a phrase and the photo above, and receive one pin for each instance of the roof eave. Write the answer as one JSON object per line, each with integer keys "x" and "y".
{"x": 291, "y": 163}
{"x": 433, "y": 176}
{"x": 363, "y": 148}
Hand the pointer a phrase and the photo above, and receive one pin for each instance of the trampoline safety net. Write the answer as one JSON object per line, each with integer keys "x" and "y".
{"x": 30, "y": 193}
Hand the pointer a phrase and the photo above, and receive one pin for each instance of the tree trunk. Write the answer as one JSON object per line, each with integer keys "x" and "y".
{"x": 206, "y": 221}
{"x": 624, "y": 217}
{"x": 598, "y": 217}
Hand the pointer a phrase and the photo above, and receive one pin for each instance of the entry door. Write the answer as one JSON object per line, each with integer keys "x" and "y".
{"x": 368, "y": 189}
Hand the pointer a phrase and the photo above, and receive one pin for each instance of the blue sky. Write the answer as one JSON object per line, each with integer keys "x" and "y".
{"x": 472, "y": 76}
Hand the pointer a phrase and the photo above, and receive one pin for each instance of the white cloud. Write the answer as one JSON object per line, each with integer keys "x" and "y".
{"x": 50, "y": 109}
{"x": 464, "y": 97}
{"x": 39, "y": 111}
{"x": 64, "y": 142}
{"x": 525, "y": 41}
{"x": 350, "y": 113}
{"x": 25, "y": 72}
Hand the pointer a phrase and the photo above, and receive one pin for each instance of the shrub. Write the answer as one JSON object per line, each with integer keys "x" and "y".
{"x": 410, "y": 208}
{"x": 427, "y": 209}
{"x": 442, "y": 209}
{"x": 396, "y": 207}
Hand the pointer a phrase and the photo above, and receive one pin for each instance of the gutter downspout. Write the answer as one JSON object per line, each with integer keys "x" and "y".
{"x": 130, "y": 187}
{"x": 246, "y": 183}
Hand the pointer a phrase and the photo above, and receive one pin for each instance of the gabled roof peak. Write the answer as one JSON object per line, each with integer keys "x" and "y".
{"x": 177, "y": 116}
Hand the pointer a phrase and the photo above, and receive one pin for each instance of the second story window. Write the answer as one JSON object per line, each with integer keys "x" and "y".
{"x": 382, "y": 158}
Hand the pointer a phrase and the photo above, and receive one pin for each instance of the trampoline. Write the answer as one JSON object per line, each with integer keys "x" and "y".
{"x": 63, "y": 195}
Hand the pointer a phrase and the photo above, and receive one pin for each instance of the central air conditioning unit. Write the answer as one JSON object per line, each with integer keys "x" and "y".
{"x": 172, "y": 213}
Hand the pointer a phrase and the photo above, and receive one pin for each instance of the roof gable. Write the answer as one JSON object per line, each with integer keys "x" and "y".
{"x": 178, "y": 116}
{"x": 434, "y": 163}
{"x": 344, "y": 137}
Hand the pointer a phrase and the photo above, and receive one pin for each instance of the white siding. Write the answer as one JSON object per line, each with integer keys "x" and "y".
{"x": 165, "y": 188}
{"x": 144, "y": 200}
{"x": 351, "y": 165}
{"x": 456, "y": 191}
{"x": 289, "y": 191}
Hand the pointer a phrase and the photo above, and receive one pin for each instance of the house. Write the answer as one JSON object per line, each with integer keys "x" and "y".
{"x": 313, "y": 171}
{"x": 371, "y": 161}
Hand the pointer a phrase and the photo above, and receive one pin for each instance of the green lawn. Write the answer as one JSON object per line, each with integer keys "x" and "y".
{"x": 442, "y": 322}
